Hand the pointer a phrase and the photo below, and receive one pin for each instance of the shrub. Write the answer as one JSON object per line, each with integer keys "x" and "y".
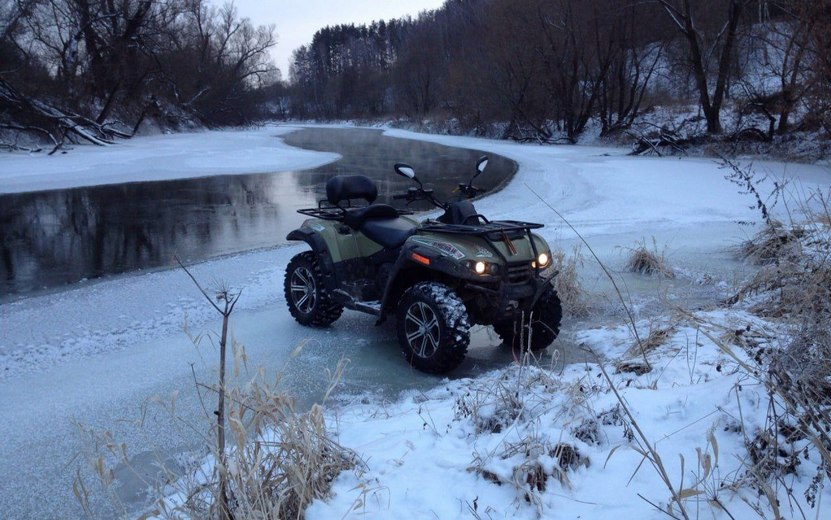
{"x": 645, "y": 261}
{"x": 567, "y": 281}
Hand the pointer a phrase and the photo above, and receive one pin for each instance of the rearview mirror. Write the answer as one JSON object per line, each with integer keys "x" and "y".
{"x": 481, "y": 164}
{"x": 405, "y": 170}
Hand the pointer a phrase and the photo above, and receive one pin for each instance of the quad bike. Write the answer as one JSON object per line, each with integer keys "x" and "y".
{"x": 437, "y": 277}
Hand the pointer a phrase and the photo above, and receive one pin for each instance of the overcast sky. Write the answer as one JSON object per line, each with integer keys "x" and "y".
{"x": 297, "y": 20}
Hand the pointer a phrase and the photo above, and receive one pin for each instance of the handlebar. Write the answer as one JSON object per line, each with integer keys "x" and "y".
{"x": 414, "y": 194}
{"x": 470, "y": 191}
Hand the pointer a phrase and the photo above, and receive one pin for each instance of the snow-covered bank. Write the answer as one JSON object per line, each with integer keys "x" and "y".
{"x": 721, "y": 413}
{"x": 155, "y": 158}
{"x": 528, "y": 442}
{"x": 602, "y": 190}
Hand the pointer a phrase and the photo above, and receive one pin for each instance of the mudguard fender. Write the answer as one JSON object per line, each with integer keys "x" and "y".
{"x": 322, "y": 253}
{"x": 417, "y": 263}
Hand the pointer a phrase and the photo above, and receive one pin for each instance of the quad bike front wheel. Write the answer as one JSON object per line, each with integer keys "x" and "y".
{"x": 308, "y": 301}
{"x": 433, "y": 327}
{"x": 543, "y": 324}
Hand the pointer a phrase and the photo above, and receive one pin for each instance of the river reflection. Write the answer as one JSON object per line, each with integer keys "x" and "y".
{"x": 54, "y": 238}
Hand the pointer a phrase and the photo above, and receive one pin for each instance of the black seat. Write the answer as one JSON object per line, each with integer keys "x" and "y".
{"x": 355, "y": 218}
{"x": 389, "y": 232}
{"x": 379, "y": 222}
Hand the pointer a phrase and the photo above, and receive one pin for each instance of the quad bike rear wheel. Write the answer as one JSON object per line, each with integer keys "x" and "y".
{"x": 308, "y": 301}
{"x": 433, "y": 327}
{"x": 544, "y": 324}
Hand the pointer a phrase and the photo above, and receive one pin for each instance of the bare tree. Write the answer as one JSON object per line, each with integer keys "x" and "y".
{"x": 820, "y": 59}
{"x": 84, "y": 70}
{"x": 632, "y": 56}
{"x": 223, "y": 302}
{"x": 701, "y": 50}
{"x": 418, "y": 71}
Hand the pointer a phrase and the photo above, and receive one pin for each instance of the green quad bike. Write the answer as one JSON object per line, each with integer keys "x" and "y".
{"x": 438, "y": 277}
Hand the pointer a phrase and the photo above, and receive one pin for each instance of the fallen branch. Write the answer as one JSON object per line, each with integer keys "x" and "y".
{"x": 35, "y": 117}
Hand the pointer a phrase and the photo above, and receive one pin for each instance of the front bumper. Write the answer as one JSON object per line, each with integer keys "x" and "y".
{"x": 506, "y": 300}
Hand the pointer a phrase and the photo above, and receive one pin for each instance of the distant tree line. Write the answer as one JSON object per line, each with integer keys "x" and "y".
{"x": 93, "y": 70}
{"x": 545, "y": 69}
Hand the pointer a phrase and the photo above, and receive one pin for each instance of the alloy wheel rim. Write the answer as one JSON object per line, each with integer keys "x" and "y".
{"x": 421, "y": 326}
{"x": 303, "y": 290}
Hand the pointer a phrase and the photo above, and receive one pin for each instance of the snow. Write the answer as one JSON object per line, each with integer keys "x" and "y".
{"x": 96, "y": 351}
{"x": 439, "y": 455}
{"x": 160, "y": 157}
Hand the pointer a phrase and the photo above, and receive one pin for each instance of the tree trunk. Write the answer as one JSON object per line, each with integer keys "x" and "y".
{"x": 726, "y": 59}
{"x": 683, "y": 19}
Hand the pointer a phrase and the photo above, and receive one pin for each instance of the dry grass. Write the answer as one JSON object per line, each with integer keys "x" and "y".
{"x": 796, "y": 377}
{"x": 657, "y": 337}
{"x": 589, "y": 429}
{"x": 529, "y": 476}
{"x": 796, "y": 277}
{"x": 513, "y": 400}
{"x": 793, "y": 366}
{"x": 280, "y": 460}
{"x": 772, "y": 244}
{"x": 567, "y": 281}
{"x": 648, "y": 261}
{"x": 500, "y": 401}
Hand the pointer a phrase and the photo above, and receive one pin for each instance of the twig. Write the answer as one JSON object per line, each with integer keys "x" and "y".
{"x": 656, "y": 507}
{"x": 606, "y": 271}
{"x": 654, "y": 458}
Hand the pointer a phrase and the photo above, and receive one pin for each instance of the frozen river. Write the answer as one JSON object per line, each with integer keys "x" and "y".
{"x": 103, "y": 353}
{"x": 57, "y": 237}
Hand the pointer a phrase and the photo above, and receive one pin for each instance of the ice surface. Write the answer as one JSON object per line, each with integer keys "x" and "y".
{"x": 161, "y": 157}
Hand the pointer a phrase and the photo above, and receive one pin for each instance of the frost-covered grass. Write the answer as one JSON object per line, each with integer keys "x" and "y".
{"x": 648, "y": 261}
{"x": 531, "y": 442}
{"x": 706, "y": 432}
{"x": 279, "y": 460}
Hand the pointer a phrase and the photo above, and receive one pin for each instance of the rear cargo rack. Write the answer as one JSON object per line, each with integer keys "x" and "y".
{"x": 326, "y": 211}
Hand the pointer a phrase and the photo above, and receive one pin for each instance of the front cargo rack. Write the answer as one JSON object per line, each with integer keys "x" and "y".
{"x": 481, "y": 229}
{"x": 493, "y": 231}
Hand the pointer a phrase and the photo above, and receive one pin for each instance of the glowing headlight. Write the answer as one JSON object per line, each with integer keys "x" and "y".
{"x": 479, "y": 267}
{"x": 541, "y": 261}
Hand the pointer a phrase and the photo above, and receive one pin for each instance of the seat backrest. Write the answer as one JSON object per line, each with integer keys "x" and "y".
{"x": 346, "y": 187}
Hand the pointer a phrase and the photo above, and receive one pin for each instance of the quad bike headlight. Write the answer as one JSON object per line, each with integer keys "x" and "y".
{"x": 542, "y": 260}
{"x": 482, "y": 268}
